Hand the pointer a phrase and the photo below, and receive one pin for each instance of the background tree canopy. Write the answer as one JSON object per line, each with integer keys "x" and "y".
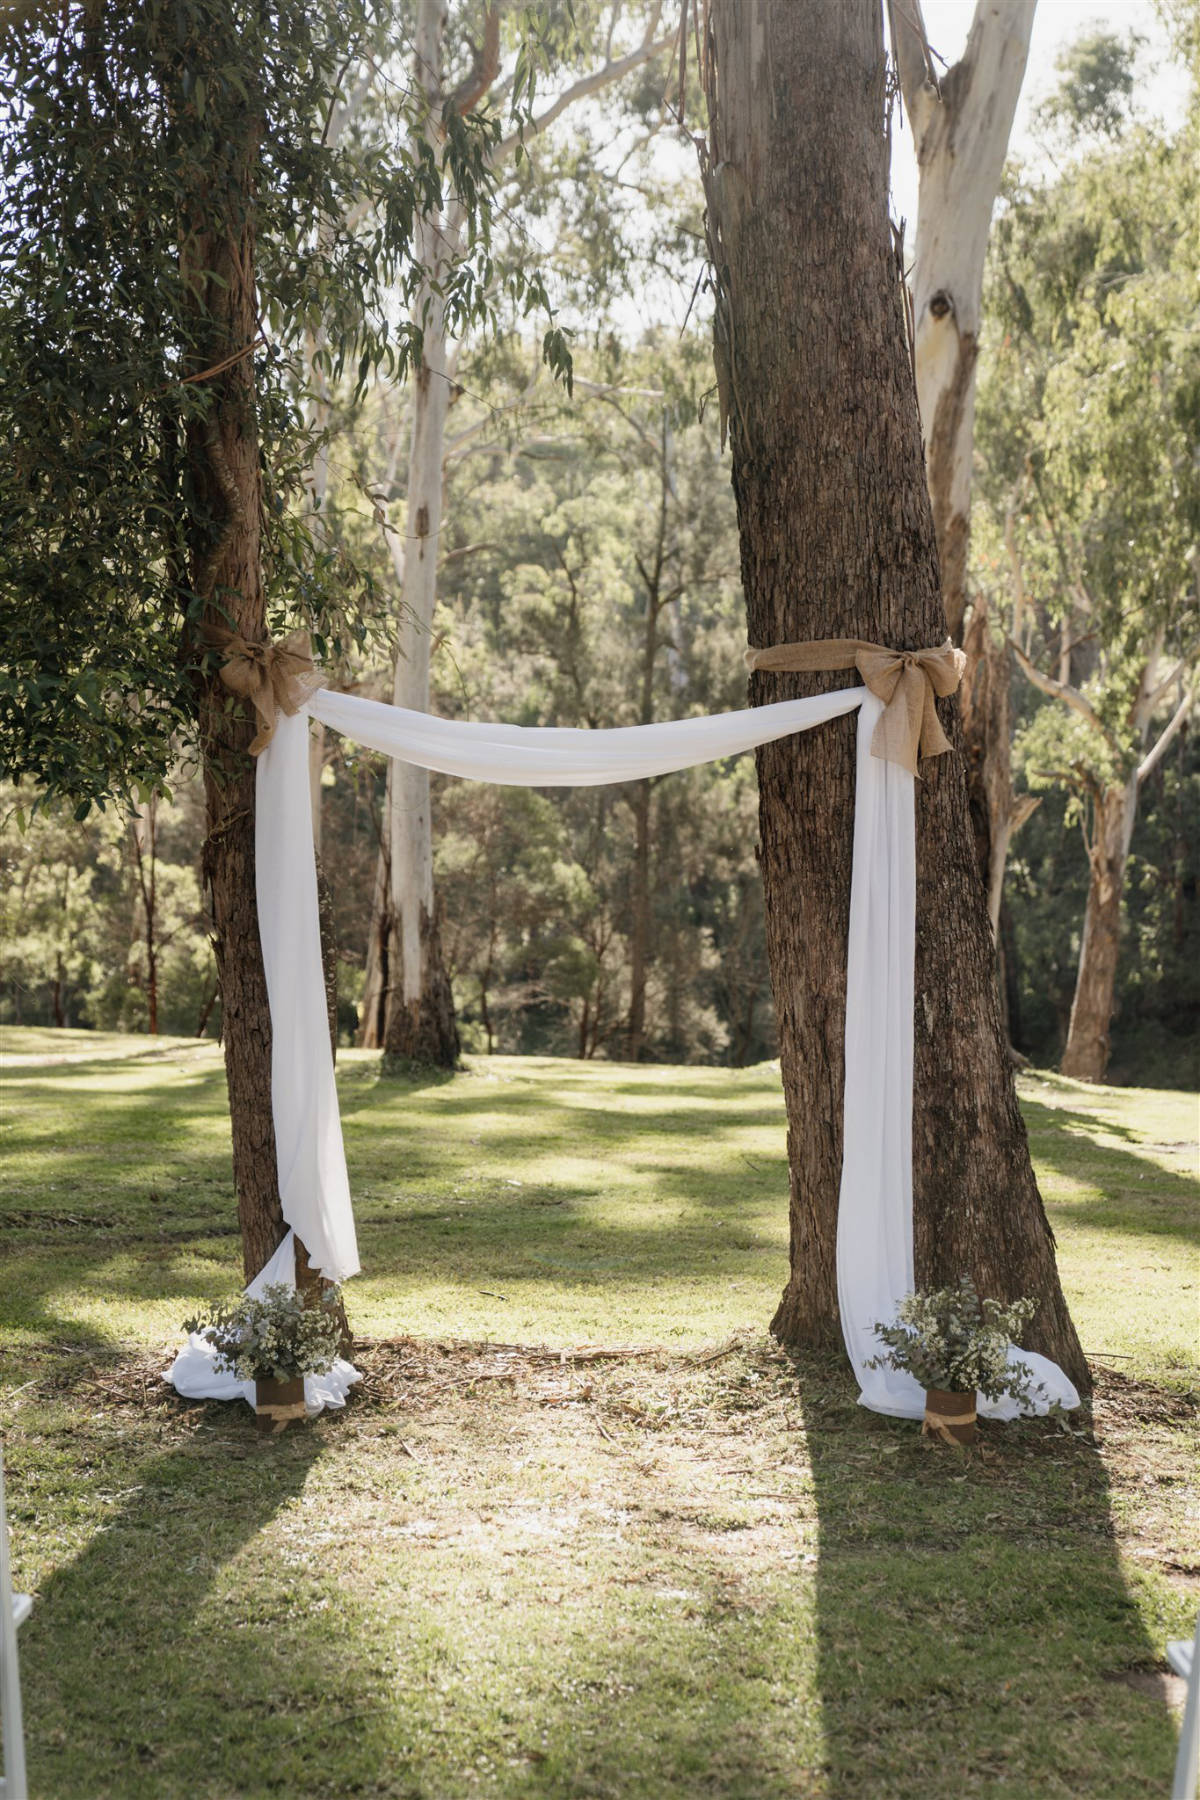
{"x": 588, "y": 569}
{"x": 115, "y": 127}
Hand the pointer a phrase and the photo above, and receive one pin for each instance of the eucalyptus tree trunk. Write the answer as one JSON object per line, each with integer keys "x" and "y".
{"x": 838, "y": 540}
{"x": 961, "y": 123}
{"x": 1114, "y": 815}
{"x": 1088, "y": 1046}
{"x": 217, "y": 260}
{"x": 408, "y": 1006}
{"x": 419, "y": 1022}
{"x": 217, "y": 253}
{"x": 1114, "y": 808}
{"x": 651, "y": 573}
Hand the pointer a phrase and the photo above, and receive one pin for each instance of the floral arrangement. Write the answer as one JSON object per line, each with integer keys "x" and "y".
{"x": 275, "y": 1336}
{"x": 954, "y": 1341}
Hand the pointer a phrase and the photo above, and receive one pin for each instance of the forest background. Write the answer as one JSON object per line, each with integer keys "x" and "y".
{"x": 587, "y": 575}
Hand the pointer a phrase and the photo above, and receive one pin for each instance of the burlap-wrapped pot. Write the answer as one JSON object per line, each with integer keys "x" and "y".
{"x": 277, "y": 1404}
{"x": 950, "y": 1417}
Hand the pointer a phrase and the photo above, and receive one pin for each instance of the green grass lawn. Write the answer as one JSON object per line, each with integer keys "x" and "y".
{"x": 690, "y": 1568}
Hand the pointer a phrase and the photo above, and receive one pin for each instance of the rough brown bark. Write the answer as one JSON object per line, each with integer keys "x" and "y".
{"x": 218, "y": 261}
{"x": 838, "y": 541}
{"x": 218, "y": 257}
{"x": 1087, "y": 1052}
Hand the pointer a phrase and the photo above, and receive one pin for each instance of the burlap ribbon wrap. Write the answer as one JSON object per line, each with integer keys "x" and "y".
{"x": 274, "y": 678}
{"x": 907, "y": 682}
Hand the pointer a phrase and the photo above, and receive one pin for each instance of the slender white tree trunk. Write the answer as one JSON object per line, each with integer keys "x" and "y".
{"x": 961, "y": 125}
{"x": 407, "y": 1005}
{"x": 418, "y": 1010}
{"x": 419, "y": 1020}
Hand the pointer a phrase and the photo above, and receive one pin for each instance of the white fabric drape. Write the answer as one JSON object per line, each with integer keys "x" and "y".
{"x": 196, "y": 1375}
{"x": 874, "y": 1245}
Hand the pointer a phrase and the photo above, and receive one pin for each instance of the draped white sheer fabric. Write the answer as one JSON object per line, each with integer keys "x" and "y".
{"x": 195, "y": 1373}
{"x": 874, "y": 1245}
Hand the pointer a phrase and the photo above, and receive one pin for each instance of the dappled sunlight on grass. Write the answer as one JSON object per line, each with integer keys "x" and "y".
{"x": 1117, "y": 1168}
{"x": 681, "y": 1565}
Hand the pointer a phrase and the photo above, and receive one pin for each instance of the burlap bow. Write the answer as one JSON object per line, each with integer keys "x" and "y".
{"x": 905, "y": 680}
{"x": 274, "y": 678}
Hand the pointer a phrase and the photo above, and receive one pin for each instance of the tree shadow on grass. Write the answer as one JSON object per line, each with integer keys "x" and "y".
{"x": 179, "y": 1655}
{"x": 974, "y": 1598}
{"x": 143, "y": 1666}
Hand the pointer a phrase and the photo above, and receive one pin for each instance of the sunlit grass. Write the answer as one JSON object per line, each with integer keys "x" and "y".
{"x": 660, "y": 1577}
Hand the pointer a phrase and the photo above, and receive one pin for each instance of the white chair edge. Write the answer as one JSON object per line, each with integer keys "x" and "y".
{"x": 1184, "y": 1657}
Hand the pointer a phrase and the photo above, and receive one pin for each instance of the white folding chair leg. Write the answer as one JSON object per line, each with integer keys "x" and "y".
{"x": 13, "y": 1608}
{"x": 1185, "y": 1660}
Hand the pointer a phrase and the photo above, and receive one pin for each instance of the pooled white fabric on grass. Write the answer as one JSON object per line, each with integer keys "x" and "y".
{"x": 195, "y": 1373}
{"x": 874, "y": 1245}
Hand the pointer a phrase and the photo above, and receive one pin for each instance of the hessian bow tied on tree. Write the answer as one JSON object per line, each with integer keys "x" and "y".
{"x": 905, "y": 680}
{"x": 275, "y": 678}
{"x": 281, "y": 677}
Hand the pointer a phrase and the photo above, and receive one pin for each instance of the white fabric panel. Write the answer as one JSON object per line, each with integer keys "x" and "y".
{"x": 196, "y": 1376}
{"x": 874, "y": 1245}
{"x": 874, "y": 1235}
{"x": 545, "y": 756}
{"x": 313, "y": 1187}
{"x": 875, "y": 1238}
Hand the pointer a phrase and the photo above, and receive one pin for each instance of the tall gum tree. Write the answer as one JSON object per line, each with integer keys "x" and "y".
{"x": 407, "y": 1004}
{"x": 166, "y": 177}
{"x": 1108, "y": 777}
{"x": 218, "y": 260}
{"x": 1089, "y": 415}
{"x": 837, "y": 540}
{"x": 961, "y": 123}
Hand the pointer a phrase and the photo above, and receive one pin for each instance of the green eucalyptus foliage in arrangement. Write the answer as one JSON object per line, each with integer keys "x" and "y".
{"x": 119, "y": 123}
{"x": 277, "y": 1335}
{"x": 955, "y": 1341}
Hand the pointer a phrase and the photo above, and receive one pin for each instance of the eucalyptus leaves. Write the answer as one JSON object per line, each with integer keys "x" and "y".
{"x": 274, "y": 1336}
{"x": 955, "y": 1341}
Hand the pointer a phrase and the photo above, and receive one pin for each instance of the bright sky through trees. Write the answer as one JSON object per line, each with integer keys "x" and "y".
{"x": 1056, "y": 24}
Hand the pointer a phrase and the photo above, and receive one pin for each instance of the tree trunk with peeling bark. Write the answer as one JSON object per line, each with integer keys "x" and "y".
{"x": 419, "y": 1023}
{"x": 1087, "y": 1051}
{"x": 408, "y": 1006}
{"x": 1113, "y": 816}
{"x": 961, "y": 124}
{"x": 838, "y": 540}
{"x": 218, "y": 261}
